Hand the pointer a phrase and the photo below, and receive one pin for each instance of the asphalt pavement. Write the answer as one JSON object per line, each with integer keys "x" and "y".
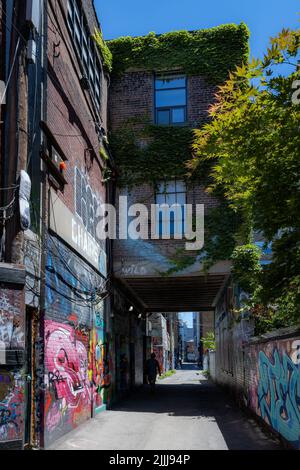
{"x": 187, "y": 412}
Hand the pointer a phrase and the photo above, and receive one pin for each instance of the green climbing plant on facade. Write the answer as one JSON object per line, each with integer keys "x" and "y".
{"x": 253, "y": 140}
{"x": 104, "y": 50}
{"x": 147, "y": 153}
{"x": 208, "y": 52}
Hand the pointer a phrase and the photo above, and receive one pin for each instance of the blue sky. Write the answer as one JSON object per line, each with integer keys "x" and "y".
{"x": 188, "y": 318}
{"x": 135, "y": 17}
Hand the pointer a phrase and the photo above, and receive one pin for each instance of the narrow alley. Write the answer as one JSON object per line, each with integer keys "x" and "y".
{"x": 188, "y": 412}
{"x": 149, "y": 226}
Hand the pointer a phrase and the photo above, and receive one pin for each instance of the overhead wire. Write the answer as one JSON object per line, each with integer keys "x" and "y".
{"x": 10, "y": 73}
{"x": 85, "y": 300}
{"x": 20, "y": 36}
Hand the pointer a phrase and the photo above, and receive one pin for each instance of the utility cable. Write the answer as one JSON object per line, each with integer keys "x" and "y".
{"x": 10, "y": 73}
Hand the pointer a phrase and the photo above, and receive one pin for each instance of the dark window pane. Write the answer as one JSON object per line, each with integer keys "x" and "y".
{"x": 70, "y": 16}
{"x": 166, "y": 98}
{"x": 163, "y": 116}
{"x": 78, "y": 33}
{"x": 170, "y": 82}
{"x": 178, "y": 115}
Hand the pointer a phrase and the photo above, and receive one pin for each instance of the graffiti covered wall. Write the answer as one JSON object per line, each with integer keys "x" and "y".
{"x": 68, "y": 392}
{"x": 264, "y": 375}
{"x": 100, "y": 362}
{"x": 12, "y": 353}
{"x": 76, "y": 359}
{"x": 274, "y": 386}
{"x": 11, "y": 406}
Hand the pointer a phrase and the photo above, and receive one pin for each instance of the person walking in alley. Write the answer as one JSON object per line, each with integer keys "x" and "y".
{"x": 152, "y": 369}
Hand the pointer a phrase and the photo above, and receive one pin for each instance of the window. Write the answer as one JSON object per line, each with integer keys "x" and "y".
{"x": 171, "y": 221}
{"x": 170, "y": 99}
{"x": 86, "y": 203}
{"x": 85, "y": 48}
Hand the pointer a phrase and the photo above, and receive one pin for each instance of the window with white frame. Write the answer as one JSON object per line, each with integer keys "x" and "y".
{"x": 170, "y": 221}
{"x": 85, "y": 48}
{"x": 170, "y": 99}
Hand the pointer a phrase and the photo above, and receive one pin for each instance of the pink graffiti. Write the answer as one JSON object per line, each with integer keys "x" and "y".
{"x": 54, "y": 417}
{"x": 67, "y": 363}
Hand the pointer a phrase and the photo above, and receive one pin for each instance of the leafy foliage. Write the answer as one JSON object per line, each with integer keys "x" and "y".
{"x": 209, "y": 341}
{"x": 104, "y": 50}
{"x": 253, "y": 140}
{"x": 246, "y": 266}
{"x": 209, "y": 52}
{"x": 164, "y": 155}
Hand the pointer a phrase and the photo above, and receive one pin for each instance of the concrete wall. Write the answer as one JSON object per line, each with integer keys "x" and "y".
{"x": 212, "y": 364}
{"x": 262, "y": 373}
{"x": 128, "y": 332}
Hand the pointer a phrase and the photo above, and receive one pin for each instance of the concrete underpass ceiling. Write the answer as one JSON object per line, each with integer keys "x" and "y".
{"x": 174, "y": 294}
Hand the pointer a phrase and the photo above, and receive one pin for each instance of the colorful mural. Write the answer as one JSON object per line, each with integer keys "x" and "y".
{"x": 274, "y": 391}
{"x": 99, "y": 362}
{"x": 76, "y": 352}
{"x": 68, "y": 390}
{"x": 11, "y": 406}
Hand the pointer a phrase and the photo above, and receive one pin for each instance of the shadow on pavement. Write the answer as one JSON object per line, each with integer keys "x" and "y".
{"x": 201, "y": 399}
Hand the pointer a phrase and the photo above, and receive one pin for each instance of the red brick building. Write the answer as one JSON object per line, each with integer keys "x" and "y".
{"x": 59, "y": 85}
{"x": 168, "y": 99}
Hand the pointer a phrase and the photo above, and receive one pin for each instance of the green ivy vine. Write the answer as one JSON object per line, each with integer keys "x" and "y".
{"x": 149, "y": 153}
{"x": 104, "y": 50}
{"x": 208, "y": 52}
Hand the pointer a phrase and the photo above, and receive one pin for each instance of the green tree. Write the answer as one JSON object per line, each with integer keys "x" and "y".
{"x": 253, "y": 144}
{"x": 208, "y": 341}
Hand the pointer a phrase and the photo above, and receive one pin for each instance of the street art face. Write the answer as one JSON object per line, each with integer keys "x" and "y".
{"x": 68, "y": 395}
{"x": 277, "y": 385}
{"x": 11, "y": 406}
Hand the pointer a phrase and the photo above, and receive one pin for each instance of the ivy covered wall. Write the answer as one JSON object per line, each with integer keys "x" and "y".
{"x": 146, "y": 153}
{"x": 208, "y": 52}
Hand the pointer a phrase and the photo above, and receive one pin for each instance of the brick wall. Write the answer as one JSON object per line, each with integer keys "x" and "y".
{"x": 75, "y": 347}
{"x": 70, "y": 111}
{"x": 132, "y": 97}
{"x": 134, "y": 257}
